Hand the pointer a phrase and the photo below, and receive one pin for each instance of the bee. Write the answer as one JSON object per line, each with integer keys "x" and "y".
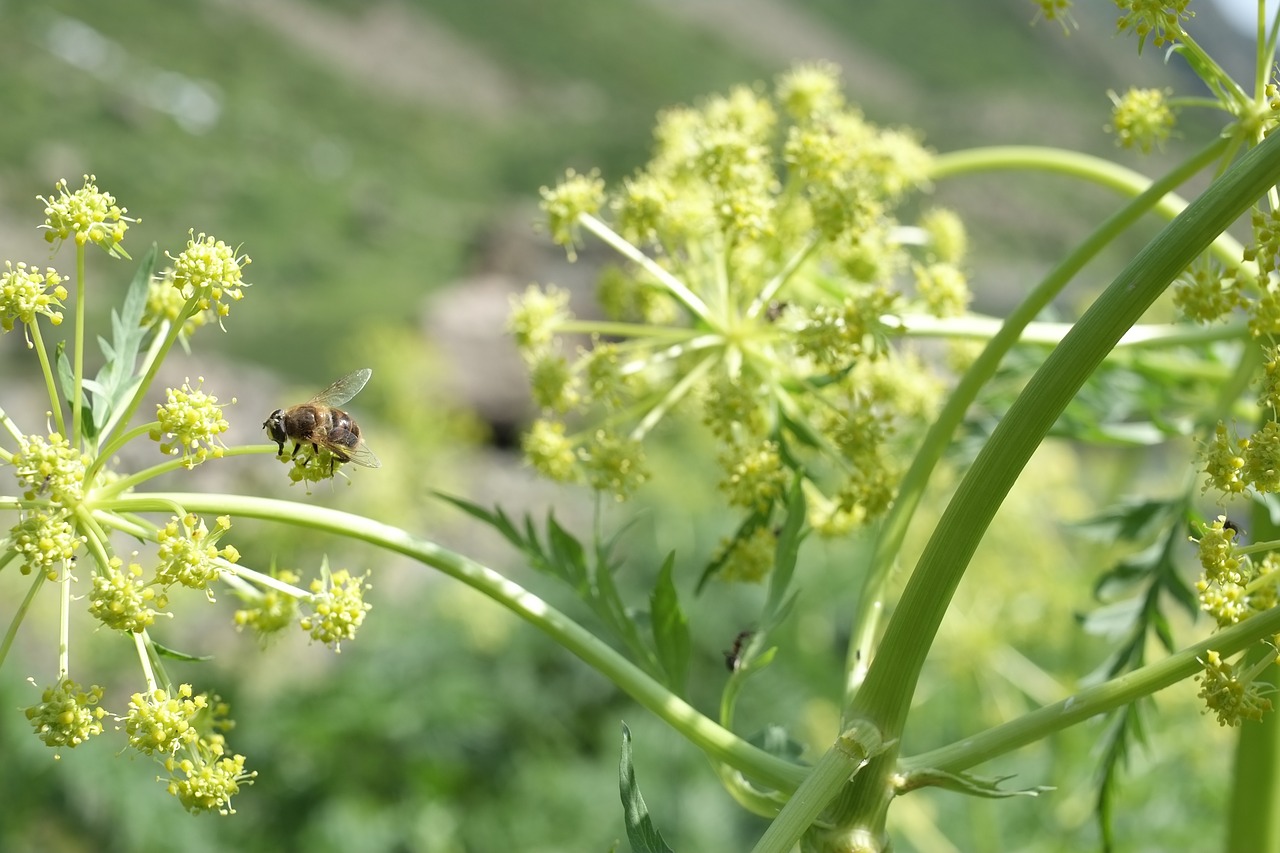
{"x": 320, "y": 423}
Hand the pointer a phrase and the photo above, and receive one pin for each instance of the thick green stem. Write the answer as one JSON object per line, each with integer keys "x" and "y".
{"x": 886, "y": 694}
{"x": 893, "y": 529}
{"x": 1254, "y": 821}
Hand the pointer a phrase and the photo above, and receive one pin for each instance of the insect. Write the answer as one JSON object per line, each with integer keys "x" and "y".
{"x": 320, "y": 423}
{"x": 733, "y": 657}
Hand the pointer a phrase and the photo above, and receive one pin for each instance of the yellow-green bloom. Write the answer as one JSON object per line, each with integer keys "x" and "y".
{"x": 188, "y": 552}
{"x": 26, "y": 293}
{"x": 88, "y": 214}
{"x": 573, "y": 196}
{"x": 190, "y": 423}
{"x": 122, "y": 600}
{"x": 272, "y": 610}
{"x": 166, "y": 302}
{"x": 337, "y": 608}
{"x": 50, "y": 467}
{"x": 1159, "y": 19}
{"x": 1142, "y": 118}
{"x": 212, "y": 272}
{"x": 159, "y": 723}
{"x": 45, "y": 541}
{"x": 66, "y": 715}
{"x": 1231, "y": 696}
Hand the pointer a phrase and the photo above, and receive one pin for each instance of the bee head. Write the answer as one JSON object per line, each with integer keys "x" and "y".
{"x": 274, "y": 425}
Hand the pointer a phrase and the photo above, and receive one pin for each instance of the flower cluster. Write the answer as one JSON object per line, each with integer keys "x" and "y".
{"x": 272, "y": 610}
{"x": 165, "y": 302}
{"x": 189, "y": 423}
{"x": 1234, "y": 586}
{"x": 189, "y": 554}
{"x": 765, "y": 276}
{"x": 207, "y": 782}
{"x": 45, "y": 540}
{"x": 211, "y": 273}
{"x": 337, "y": 607}
{"x": 121, "y": 600}
{"x": 1159, "y": 19}
{"x": 25, "y": 292}
{"x": 88, "y": 214}
{"x": 74, "y": 506}
{"x": 160, "y": 723}
{"x": 66, "y": 715}
{"x": 1232, "y": 696}
{"x": 1141, "y": 118}
{"x": 51, "y": 467}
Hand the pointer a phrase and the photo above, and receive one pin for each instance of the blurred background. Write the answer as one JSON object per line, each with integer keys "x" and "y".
{"x": 380, "y": 162}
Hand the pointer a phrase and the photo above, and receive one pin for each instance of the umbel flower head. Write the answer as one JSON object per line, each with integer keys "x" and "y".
{"x": 189, "y": 423}
{"x": 763, "y": 281}
{"x": 210, "y": 272}
{"x": 88, "y": 215}
{"x": 26, "y": 293}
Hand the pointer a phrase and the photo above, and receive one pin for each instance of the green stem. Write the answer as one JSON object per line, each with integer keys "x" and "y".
{"x": 1253, "y": 820}
{"x": 1090, "y": 702}
{"x": 678, "y": 289}
{"x": 64, "y": 623}
{"x": 773, "y": 285}
{"x": 1051, "y": 334}
{"x": 893, "y": 529}
{"x": 77, "y": 393}
{"x": 113, "y": 447}
{"x": 885, "y": 696}
{"x": 12, "y": 631}
{"x": 674, "y": 396}
{"x": 704, "y": 733}
{"x": 50, "y": 383}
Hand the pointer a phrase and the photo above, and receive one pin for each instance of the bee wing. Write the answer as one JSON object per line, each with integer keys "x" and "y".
{"x": 342, "y": 390}
{"x": 362, "y": 455}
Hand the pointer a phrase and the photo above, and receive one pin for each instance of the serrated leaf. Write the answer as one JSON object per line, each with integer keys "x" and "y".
{"x": 165, "y": 651}
{"x": 670, "y": 628}
{"x": 746, "y": 529}
{"x": 498, "y": 520}
{"x": 965, "y": 783}
{"x": 1132, "y": 521}
{"x": 641, "y": 832}
{"x": 568, "y": 557}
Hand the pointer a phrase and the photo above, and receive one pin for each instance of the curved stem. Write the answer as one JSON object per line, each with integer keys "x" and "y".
{"x": 886, "y": 694}
{"x": 893, "y": 529}
{"x": 714, "y": 740}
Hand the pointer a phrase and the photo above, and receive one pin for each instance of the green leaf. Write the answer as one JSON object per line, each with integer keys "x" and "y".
{"x": 965, "y": 783}
{"x": 746, "y": 529}
{"x": 166, "y": 652}
{"x": 568, "y": 558}
{"x": 670, "y": 628}
{"x": 641, "y": 832}
{"x": 784, "y": 566}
